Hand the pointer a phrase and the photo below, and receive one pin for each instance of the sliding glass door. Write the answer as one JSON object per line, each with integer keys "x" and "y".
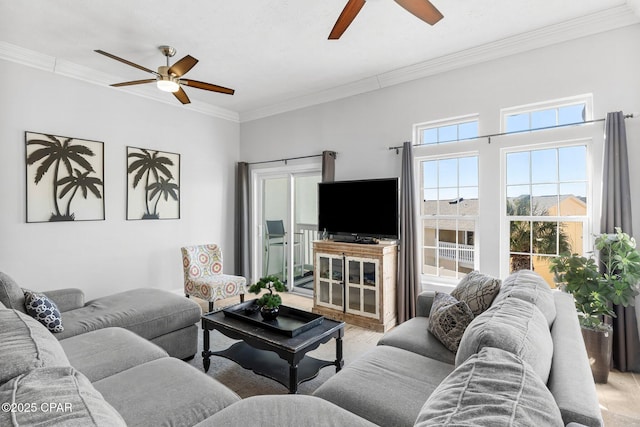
{"x": 285, "y": 222}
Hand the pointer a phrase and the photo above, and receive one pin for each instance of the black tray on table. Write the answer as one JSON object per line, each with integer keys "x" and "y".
{"x": 290, "y": 321}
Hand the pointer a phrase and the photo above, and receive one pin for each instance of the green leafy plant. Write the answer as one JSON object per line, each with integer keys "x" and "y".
{"x": 596, "y": 285}
{"x": 270, "y": 299}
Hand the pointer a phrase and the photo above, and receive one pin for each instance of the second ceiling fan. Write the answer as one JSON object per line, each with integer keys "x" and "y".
{"x": 423, "y": 9}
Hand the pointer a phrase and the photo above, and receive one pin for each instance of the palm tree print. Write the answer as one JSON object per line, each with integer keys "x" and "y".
{"x": 60, "y": 154}
{"x": 79, "y": 181}
{"x": 152, "y": 168}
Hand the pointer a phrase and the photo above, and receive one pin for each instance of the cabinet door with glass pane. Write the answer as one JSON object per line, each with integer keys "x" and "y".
{"x": 362, "y": 283}
{"x": 329, "y": 290}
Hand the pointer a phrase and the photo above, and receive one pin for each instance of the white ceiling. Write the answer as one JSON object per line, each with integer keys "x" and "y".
{"x": 275, "y": 53}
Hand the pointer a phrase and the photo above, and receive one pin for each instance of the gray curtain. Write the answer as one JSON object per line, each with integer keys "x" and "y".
{"x": 242, "y": 259}
{"x": 328, "y": 166}
{"x": 616, "y": 212}
{"x": 408, "y": 274}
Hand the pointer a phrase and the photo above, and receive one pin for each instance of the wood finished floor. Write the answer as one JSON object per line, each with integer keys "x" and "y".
{"x": 619, "y": 398}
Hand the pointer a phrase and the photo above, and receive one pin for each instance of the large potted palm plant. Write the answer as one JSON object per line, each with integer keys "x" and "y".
{"x": 596, "y": 285}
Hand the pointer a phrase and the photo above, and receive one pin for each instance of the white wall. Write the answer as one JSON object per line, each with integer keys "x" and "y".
{"x": 360, "y": 128}
{"x": 103, "y": 257}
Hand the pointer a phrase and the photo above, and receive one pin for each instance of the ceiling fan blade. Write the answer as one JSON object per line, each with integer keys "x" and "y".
{"x": 181, "y": 67}
{"x": 346, "y": 18}
{"x": 117, "y": 58}
{"x": 134, "y": 82}
{"x": 423, "y": 9}
{"x": 207, "y": 86}
{"x": 182, "y": 96}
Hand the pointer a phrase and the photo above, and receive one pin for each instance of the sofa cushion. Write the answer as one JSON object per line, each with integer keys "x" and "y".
{"x": 410, "y": 335}
{"x": 117, "y": 350}
{"x": 491, "y": 388}
{"x": 386, "y": 385}
{"x": 26, "y": 345}
{"x": 529, "y": 286}
{"x": 56, "y": 396}
{"x": 448, "y": 320}
{"x": 11, "y": 295}
{"x": 146, "y": 312}
{"x": 477, "y": 290}
{"x": 44, "y": 310}
{"x": 515, "y": 326}
{"x": 173, "y": 393}
{"x": 284, "y": 411}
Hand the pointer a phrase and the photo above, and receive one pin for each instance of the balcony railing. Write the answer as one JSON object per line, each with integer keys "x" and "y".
{"x": 448, "y": 250}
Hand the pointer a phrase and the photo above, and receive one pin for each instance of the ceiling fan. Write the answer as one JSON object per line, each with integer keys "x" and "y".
{"x": 168, "y": 78}
{"x": 423, "y": 9}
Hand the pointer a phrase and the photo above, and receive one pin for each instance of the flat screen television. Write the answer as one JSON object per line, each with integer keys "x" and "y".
{"x": 363, "y": 208}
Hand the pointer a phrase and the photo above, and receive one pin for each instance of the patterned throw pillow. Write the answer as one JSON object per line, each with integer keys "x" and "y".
{"x": 44, "y": 311}
{"x": 477, "y": 290}
{"x": 448, "y": 320}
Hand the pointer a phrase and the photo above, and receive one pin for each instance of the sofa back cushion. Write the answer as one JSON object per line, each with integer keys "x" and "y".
{"x": 529, "y": 286}
{"x": 491, "y": 388}
{"x": 26, "y": 345}
{"x": 56, "y": 396}
{"x": 11, "y": 295}
{"x": 515, "y": 326}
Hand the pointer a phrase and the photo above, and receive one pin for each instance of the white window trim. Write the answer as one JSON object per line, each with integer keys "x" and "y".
{"x": 420, "y": 127}
{"x": 586, "y": 99}
{"x": 591, "y": 200}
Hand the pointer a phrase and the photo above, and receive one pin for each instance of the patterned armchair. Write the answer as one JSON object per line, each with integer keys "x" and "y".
{"x": 203, "y": 277}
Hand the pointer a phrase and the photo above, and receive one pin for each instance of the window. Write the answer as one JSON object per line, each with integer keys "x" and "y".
{"x": 546, "y": 205}
{"x": 544, "y": 115}
{"x": 449, "y": 208}
{"x": 451, "y": 130}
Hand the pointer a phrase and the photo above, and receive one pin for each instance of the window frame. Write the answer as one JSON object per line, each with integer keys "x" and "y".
{"x": 586, "y": 99}
{"x": 419, "y": 128}
{"x": 587, "y": 219}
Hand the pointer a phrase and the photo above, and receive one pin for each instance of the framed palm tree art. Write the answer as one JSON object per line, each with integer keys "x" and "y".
{"x": 153, "y": 184}
{"x": 65, "y": 178}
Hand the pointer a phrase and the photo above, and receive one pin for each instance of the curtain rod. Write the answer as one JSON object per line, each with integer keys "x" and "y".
{"x": 626, "y": 116}
{"x": 286, "y": 159}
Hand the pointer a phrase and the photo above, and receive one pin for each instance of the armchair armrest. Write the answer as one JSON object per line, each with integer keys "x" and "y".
{"x": 424, "y": 303}
{"x": 67, "y": 299}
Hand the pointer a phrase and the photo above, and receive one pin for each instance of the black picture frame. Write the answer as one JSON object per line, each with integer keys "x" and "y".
{"x": 64, "y": 178}
{"x": 153, "y": 184}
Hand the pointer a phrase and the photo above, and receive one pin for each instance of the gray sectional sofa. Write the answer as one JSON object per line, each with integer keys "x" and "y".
{"x": 521, "y": 363}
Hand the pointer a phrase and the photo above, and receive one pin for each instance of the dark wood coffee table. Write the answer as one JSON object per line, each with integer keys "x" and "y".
{"x": 271, "y": 353}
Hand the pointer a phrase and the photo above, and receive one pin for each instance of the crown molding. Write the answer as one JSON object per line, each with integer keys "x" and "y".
{"x": 606, "y": 20}
{"x": 64, "y": 68}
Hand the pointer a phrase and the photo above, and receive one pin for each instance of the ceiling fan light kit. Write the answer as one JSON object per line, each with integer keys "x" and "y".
{"x": 168, "y": 77}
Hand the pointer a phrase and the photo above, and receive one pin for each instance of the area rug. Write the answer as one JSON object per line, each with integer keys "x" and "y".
{"x": 245, "y": 383}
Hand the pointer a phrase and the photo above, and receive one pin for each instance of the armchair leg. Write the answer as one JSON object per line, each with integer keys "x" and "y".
{"x": 210, "y": 305}
{"x": 241, "y": 297}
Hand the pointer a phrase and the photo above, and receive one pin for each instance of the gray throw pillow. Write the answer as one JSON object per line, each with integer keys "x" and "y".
{"x": 448, "y": 319}
{"x": 477, "y": 290}
{"x": 492, "y": 388}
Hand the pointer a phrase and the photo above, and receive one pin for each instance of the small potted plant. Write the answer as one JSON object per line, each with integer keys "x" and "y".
{"x": 269, "y": 302}
{"x": 596, "y": 286}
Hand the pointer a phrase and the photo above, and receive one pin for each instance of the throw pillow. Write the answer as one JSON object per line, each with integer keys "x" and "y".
{"x": 448, "y": 320}
{"x": 477, "y": 290}
{"x": 44, "y": 311}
